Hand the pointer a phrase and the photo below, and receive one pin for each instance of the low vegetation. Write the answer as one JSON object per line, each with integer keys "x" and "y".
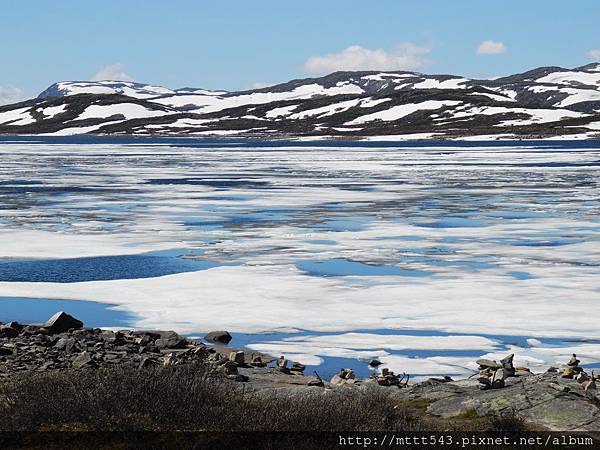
{"x": 189, "y": 398}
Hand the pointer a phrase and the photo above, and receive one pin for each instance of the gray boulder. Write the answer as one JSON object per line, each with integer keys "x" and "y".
{"x": 8, "y": 332}
{"x": 297, "y": 367}
{"x": 61, "y": 322}
{"x": 220, "y": 337}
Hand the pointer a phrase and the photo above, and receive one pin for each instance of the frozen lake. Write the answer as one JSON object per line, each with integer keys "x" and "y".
{"x": 424, "y": 256}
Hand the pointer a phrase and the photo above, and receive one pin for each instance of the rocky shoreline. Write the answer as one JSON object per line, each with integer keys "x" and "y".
{"x": 559, "y": 399}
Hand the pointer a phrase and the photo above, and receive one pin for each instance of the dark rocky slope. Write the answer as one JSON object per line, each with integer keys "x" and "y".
{"x": 547, "y": 102}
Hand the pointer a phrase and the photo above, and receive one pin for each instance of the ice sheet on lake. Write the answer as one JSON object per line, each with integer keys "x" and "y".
{"x": 506, "y": 241}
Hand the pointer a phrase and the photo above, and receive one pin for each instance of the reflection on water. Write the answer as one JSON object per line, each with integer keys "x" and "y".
{"x": 72, "y": 270}
{"x": 92, "y": 314}
{"x": 338, "y": 267}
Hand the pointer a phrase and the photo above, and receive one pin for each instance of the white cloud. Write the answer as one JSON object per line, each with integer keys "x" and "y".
{"x": 406, "y": 56}
{"x": 113, "y": 72}
{"x": 594, "y": 54}
{"x": 10, "y": 94}
{"x": 491, "y": 48}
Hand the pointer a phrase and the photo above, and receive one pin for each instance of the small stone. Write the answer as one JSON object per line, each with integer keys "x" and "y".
{"x": 8, "y": 332}
{"x": 297, "y": 367}
{"x": 507, "y": 366}
{"x": 445, "y": 379}
{"x": 221, "y": 337}
{"x": 498, "y": 384}
{"x": 230, "y": 368}
{"x": 66, "y": 344}
{"x": 316, "y": 383}
{"x": 237, "y": 357}
{"x": 15, "y": 325}
{"x": 170, "y": 342}
{"x": 112, "y": 337}
{"x": 573, "y": 362}
{"x": 488, "y": 364}
{"x": 581, "y": 377}
{"x": 552, "y": 369}
{"x": 82, "y": 360}
{"x": 375, "y": 363}
{"x": 347, "y": 374}
{"x": 560, "y": 388}
{"x": 61, "y": 322}
{"x": 282, "y": 362}
{"x": 484, "y": 380}
{"x": 147, "y": 362}
{"x": 503, "y": 374}
{"x": 257, "y": 361}
{"x": 238, "y": 377}
{"x": 567, "y": 373}
{"x": 35, "y": 329}
{"x": 588, "y": 385}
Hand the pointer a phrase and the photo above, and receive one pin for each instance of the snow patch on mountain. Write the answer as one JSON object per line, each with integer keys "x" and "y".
{"x": 398, "y": 112}
{"x": 52, "y": 111}
{"x": 349, "y": 104}
{"x": 128, "y": 110}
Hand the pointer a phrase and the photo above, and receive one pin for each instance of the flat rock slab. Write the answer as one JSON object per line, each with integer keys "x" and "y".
{"x": 531, "y": 397}
{"x": 564, "y": 412}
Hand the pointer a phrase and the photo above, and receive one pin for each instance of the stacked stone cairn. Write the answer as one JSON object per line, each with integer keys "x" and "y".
{"x": 345, "y": 376}
{"x": 573, "y": 371}
{"x": 388, "y": 378}
{"x": 493, "y": 375}
{"x": 229, "y": 366}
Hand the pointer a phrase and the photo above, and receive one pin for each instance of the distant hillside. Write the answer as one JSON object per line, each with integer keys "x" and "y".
{"x": 542, "y": 103}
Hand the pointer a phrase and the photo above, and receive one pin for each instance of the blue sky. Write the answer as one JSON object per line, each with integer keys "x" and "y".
{"x": 238, "y": 44}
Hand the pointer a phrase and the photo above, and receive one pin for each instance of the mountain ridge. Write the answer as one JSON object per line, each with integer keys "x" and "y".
{"x": 545, "y": 102}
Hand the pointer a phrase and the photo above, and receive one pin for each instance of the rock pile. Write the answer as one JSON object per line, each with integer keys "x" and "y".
{"x": 573, "y": 371}
{"x": 63, "y": 343}
{"x": 493, "y": 375}
{"x": 345, "y": 376}
{"x": 388, "y": 378}
{"x": 228, "y": 364}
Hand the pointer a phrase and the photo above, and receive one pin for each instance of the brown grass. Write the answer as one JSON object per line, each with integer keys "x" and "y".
{"x": 188, "y": 398}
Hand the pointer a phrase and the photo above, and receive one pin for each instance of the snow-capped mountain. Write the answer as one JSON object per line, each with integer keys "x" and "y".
{"x": 544, "y": 102}
{"x": 128, "y": 88}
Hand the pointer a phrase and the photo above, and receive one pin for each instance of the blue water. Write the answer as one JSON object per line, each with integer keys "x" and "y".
{"x": 339, "y": 267}
{"x": 321, "y": 242}
{"x": 211, "y": 142}
{"x": 520, "y": 275}
{"x": 454, "y": 222}
{"x": 92, "y": 314}
{"x": 222, "y": 195}
{"x": 354, "y": 223}
{"x": 332, "y": 365}
{"x": 97, "y": 268}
